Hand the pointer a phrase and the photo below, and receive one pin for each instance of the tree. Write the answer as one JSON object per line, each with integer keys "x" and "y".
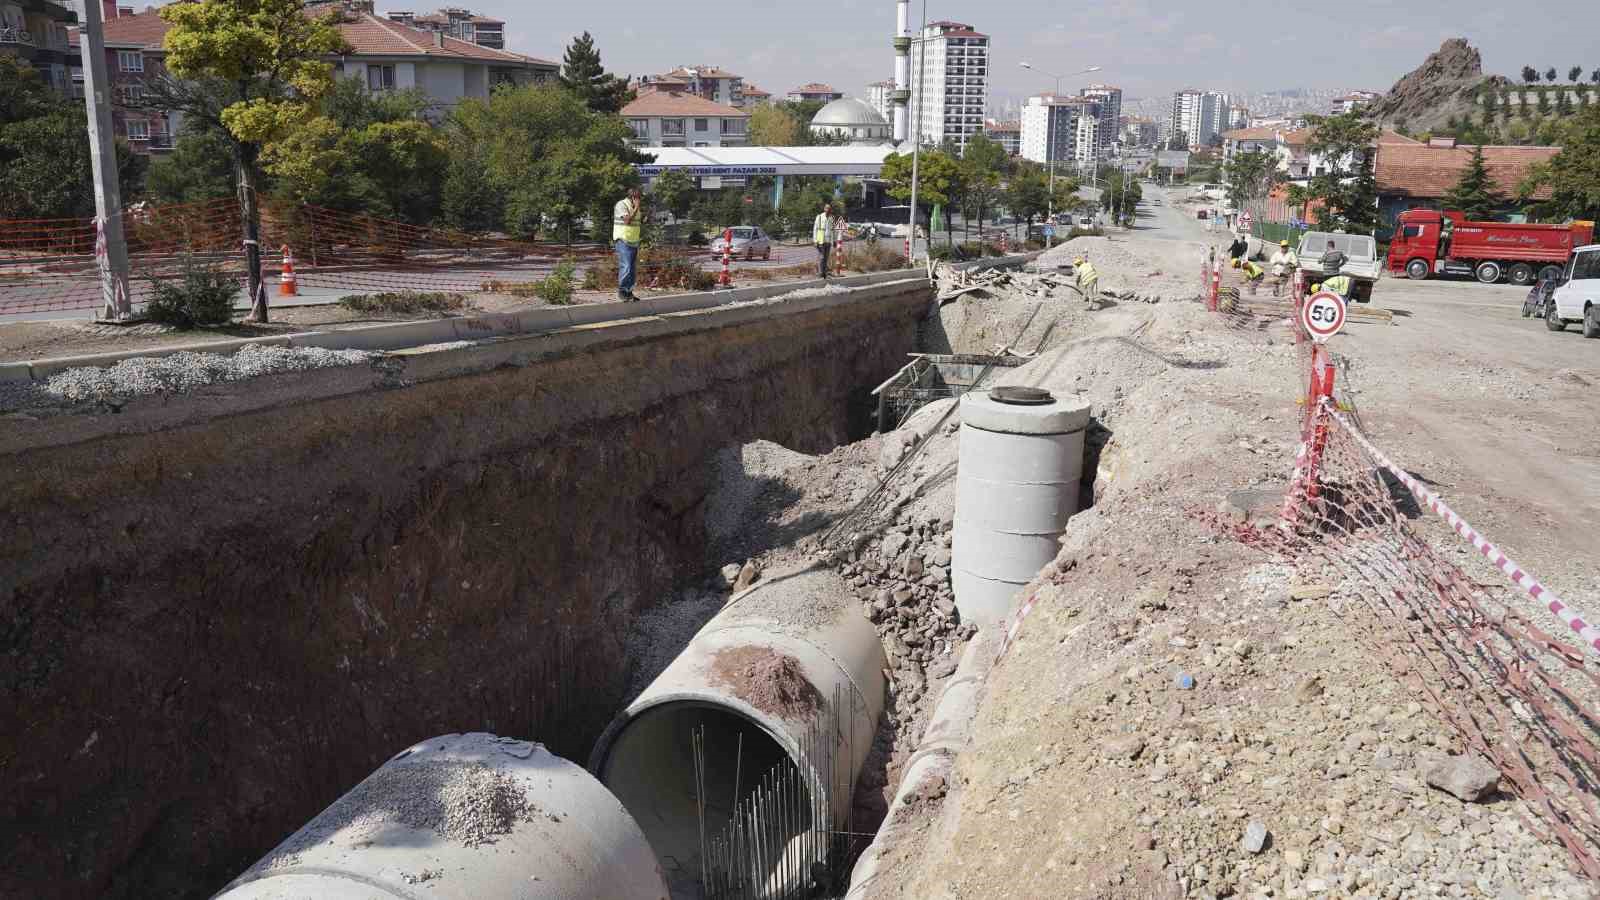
{"x": 673, "y": 191}
{"x": 200, "y": 166}
{"x": 582, "y": 73}
{"x": 45, "y": 172}
{"x": 1027, "y": 194}
{"x": 1474, "y": 195}
{"x": 1249, "y": 176}
{"x": 550, "y": 159}
{"x": 1544, "y": 103}
{"x": 1574, "y": 74}
{"x": 1595, "y": 76}
{"x": 1348, "y": 191}
{"x": 1563, "y": 103}
{"x": 1550, "y": 75}
{"x": 774, "y": 126}
{"x": 1530, "y": 75}
{"x": 262, "y": 68}
{"x": 1573, "y": 175}
{"x": 1121, "y": 197}
{"x": 937, "y": 178}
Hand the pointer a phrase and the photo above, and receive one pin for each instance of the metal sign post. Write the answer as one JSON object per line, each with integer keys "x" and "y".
{"x": 111, "y": 247}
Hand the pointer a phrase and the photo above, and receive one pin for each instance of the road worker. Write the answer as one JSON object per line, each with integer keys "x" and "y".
{"x": 1088, "y": 281}
{"x": 1253, "y": 274}
{"x": 625, "y": 221}
{"x": 1333, "y": 259}
{"x": 823, "y": 229}
{"x": 1284, "y": 264}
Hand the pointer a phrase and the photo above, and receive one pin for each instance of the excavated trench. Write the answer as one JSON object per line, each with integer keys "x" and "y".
{"x": 226, "y": 610}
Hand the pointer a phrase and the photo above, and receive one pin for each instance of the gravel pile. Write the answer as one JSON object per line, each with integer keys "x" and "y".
{"x": 469, "y": 803}
{"x": 143, "y": 376}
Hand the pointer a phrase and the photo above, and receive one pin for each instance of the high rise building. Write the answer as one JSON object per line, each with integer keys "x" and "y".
{"x": 880, "y": 96}
{"x": 461, "y": 24}
{"x": 1110, "y": 101}
{"x": 1199, "y": 116}
{"x": 949, "y": 83}
{"x": 1060, "y": 129}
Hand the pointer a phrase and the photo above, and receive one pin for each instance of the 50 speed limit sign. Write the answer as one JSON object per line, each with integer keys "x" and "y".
{"x": 1322, "y": 315}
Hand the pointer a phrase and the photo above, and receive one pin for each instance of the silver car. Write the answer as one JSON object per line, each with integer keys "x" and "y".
{"x": 749, "y": 241}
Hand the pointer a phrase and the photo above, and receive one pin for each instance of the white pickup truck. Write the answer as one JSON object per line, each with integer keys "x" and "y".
{"x": 1576, "y": 297}
{"x": 1361, "y": 265}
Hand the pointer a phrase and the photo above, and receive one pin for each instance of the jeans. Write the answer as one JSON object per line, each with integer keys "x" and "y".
{"x": 823, "y": 252}
{"x": 627, "y": 254}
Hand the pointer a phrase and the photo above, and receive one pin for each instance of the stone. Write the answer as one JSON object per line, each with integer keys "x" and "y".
{"x": 894, "y": 543}
{"x": 902, "y": 596}
{"x": 1467, "y": 778}
{"x": 1255, "y": 837}
{"x": 730, "y": 573}
{"x": 941, "y": 557}
{"x": 1294, "y": 860}
{"x": 1125, "y": 747}
{"x": 1309, "y": 592}
{"x": 914, "y": 567}
{"x": 747, "y": 576}
{"x": 1309, "y": 690}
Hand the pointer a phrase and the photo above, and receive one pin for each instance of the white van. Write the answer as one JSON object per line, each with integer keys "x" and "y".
{"x": 1577, "y": 297}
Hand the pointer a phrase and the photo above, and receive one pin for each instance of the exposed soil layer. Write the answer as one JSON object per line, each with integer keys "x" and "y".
{"x": 223, "y": 609}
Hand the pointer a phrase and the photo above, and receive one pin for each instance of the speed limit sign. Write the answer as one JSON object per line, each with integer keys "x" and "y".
{"x": 1322, "y": 315}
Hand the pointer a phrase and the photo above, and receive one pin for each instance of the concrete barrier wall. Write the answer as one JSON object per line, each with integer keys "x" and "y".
{"x": 223, "y": 608}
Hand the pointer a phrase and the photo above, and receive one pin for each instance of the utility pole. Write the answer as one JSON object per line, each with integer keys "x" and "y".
{"x": 111, "y": 247}
{"x": 916, "y": 137}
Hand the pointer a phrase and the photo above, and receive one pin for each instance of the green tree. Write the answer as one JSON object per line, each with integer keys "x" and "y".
{"x": 392, "y": 170}
{"x": 1563, "y": 103}
{"x": 200, "y": 166}
{"x": 351, "y": 105}
{"x": 257, "y": 68}
{"x": 1249, "y": 176}
{"x": 1550, "y": 75}
{"x": 938, "y": 179}
{"x": 583, "y": 74}
{"x": 1474, "y": 194}
{"x": 774, "y": 126}
{"x": 1575, "y": 73}
{"x": 1348, "y": 191}
{"x": 673, "y": 191}
{"x": 549, "y": 156}
{"x": 45, "y": 171}
{"x": 1120, "y": 197}
{"x": 1544, "y": 103}
{"x": 1028, "y": 193}
{"x": 1530, "y": 75}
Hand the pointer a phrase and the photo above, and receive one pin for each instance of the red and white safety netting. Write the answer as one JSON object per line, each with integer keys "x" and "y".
{"x": 1500, "y": 657}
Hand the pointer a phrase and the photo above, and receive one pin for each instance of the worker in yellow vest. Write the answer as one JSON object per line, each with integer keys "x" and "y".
{"x": 822, "y": 234}
{"x": 626, "y": 220}
{"x": 1253, "y": 274}
{"x": 1088, "y": 281}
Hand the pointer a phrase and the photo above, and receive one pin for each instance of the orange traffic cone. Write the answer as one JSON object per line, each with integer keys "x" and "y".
{"x": 286, "y": 283}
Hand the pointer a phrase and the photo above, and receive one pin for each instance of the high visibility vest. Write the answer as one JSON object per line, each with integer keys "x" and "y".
{"x": 1087, "y": 274}
{"x": 1251, "y": 270}
{"x": 1339, "y": 284}
{"x": 621, "y": 229}
{"x": 819, "y": 229}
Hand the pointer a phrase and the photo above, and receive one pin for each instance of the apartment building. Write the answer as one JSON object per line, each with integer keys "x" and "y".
{"x": 1199, "y": 116}
{"x": 949, "y": 83}
{"x": 36, "y": 31}
{"x": 712, "y": 83}
{"x": 461, "y": 24}
{"x": 668, "y": 119}
{"x": 383, "y": 54}
{"x": 1007, "y": 134}
{"x": 1058, "y": 129}
{"x": 880, "y": 96}
{"x": 813, "y": 91}
{"x": 1109, "y": 99}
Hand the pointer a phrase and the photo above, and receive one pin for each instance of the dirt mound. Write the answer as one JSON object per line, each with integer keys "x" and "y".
{"x": 770, "y": 681}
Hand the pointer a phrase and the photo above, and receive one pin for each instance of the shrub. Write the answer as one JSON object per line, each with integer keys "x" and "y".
{"x": 601, "y": 275}
{"x": 404, "y": 302}
{"x": 201, "y": 295}
{"x": 556, "y": 288}
{"x": 868, "y": 257}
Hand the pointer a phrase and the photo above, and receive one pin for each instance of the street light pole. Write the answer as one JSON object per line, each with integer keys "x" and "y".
{"x": 916, "y": 137}
{"x": 1050, "y": 137}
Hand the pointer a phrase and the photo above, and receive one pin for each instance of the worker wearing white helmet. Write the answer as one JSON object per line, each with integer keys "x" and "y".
{"x": 1284, "y": 264}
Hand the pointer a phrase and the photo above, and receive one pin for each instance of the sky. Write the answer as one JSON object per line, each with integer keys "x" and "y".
{"x": 1146, "y": 47}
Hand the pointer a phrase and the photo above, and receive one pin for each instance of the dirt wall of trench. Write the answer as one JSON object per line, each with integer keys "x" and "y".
{"x": 208, "y": 631}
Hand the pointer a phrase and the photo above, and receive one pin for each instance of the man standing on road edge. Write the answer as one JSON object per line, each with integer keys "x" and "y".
{"x": 822, "y": 231}
{"x": 625, "y": 222}
{"x": 1284, "y": 263}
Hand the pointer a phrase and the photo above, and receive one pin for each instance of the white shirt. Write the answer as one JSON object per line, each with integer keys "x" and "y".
{"x": 1283, "y": 261}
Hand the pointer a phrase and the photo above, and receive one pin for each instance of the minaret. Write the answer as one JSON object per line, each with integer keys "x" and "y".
{"x": 902, "y": 68}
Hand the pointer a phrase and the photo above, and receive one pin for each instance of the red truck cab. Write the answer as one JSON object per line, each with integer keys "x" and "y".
{"x": 1429, "y": 242}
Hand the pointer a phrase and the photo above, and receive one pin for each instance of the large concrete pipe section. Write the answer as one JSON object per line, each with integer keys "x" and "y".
{"x": 1021, "y": 457}
{"x": 464, "y": 817}
{"x": 790, "y": 652}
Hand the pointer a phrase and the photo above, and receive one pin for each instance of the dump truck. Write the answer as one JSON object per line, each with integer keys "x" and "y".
{"x": 1428, "y": 243}
{"x": 1361, "y": 260}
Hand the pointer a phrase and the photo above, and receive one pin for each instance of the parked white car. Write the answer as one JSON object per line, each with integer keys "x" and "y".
{"x": 1577, "y": 297}
{"x": 749, "y": 242}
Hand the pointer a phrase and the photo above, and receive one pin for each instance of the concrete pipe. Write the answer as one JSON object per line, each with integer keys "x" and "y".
{"x": 789, "y": 653}
{"x": 1021, "y": 457}
{"x": 464, "y": 817}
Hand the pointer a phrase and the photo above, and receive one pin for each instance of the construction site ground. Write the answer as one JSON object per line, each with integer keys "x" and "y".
{"x": 1096, "y": 770}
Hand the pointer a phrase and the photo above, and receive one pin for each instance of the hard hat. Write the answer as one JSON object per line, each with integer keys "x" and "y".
{"x": 1236, "y": 264}
{"x": 1283, "y": 243}
{"x": 1077, "y": 260}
